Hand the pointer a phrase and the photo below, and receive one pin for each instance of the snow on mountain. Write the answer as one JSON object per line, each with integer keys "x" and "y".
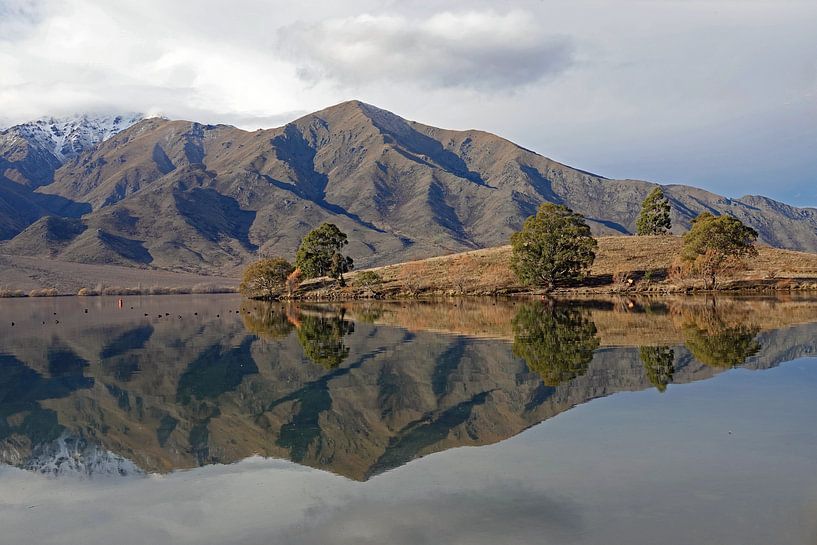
{"x": 67, "y": 137}
{"x": 75, "y": 456}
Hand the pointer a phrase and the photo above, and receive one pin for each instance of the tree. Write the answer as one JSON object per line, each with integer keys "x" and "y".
{"x": 340, "y": 264}
{"x": 556, "y": 341}
{"x": 320, "y": 253}
{"x": 553, "y": 246}
{"x": 654, "y": 218}
{"x": 266, "y": 278}
{"x": 716, "y": 245}
{"x": 658, "y": 365}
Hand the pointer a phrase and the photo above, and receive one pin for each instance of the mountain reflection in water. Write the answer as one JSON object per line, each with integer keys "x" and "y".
{"x": 167, "y": 383}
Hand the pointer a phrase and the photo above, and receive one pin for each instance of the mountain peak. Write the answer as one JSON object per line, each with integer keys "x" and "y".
{"x": 67, "y": 137}
{"x": 355, "y": 108}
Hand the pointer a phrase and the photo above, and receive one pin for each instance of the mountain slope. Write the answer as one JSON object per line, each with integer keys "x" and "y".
{"x": 179, "y": 194}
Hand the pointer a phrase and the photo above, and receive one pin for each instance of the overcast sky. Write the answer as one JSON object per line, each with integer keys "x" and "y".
{"x": 716, "y": 94}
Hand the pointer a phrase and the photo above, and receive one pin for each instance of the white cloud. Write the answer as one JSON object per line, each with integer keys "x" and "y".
{"x": 716, "y": 93}
{"x": 479, "y": 50}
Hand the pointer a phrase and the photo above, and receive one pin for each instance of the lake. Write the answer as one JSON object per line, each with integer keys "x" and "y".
{"x": 214, "y": 420}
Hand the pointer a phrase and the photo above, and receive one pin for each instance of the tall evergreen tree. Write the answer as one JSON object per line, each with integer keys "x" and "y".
{"x": 654, "y": 218}
{"x": 320, "y": 253}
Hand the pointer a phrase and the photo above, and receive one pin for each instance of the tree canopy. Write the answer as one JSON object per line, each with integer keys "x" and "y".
{"x": 654, "y": 218}
{"x": 556, "y": 341}
{"x": 553, "y": 246}
{"x": 716, "y": 245}
{"x": 266, "y": 278}
{"x": 320, "y": 253}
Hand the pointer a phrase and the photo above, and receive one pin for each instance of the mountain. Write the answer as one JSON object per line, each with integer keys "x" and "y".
{"x": 31, "y": 152}
{"x": 208, "y": 198}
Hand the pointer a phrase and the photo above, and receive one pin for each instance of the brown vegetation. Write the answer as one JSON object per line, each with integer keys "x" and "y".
{"x": 623, "y": 264}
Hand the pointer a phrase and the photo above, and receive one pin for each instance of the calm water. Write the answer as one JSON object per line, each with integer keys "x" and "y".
{"x": 207, "y": 419}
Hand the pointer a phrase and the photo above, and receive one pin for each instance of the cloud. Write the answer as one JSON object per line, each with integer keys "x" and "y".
{"x": 717, "y": 93}
{"x": 477, "y": 50}
{"x": 18, "y": 17}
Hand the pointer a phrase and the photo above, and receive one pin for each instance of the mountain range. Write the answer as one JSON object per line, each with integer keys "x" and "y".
{"x": 181, "y": 195}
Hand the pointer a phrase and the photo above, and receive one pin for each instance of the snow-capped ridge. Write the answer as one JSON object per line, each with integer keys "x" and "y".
{"x": 75, "y": 456}
{"x": 67, "y": 137}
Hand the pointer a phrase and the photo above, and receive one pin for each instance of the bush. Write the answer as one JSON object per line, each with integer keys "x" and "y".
{"x": 367, "y": 279}
{"x": 293, "y": 281}
{"x": 553, "y": 246}
{"x": 266, "y": 278}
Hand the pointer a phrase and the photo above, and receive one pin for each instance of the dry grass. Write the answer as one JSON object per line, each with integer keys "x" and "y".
{"x": 7, "y": 293}
{"x": 156, "y": 290}
{"x": 644, "y": 260}
{"x": 43, "y": 292}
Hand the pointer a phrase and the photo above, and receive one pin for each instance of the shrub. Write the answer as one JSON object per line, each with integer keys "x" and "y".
{"x": 367, "y": 279}
{"x": 265, "y": 278}
{"x": 293, "y": 281}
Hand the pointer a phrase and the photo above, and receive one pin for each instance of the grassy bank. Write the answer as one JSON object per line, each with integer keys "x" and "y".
{"x": 22, "y": 276}
{"x": 623, "y": 264}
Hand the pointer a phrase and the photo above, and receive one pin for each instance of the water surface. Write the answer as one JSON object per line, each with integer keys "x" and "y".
{"x": 208, "y": 419}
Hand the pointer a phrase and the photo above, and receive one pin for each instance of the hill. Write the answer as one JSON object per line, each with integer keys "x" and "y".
{"x": 488, "y": 272}
{"x": 179, "y": 195}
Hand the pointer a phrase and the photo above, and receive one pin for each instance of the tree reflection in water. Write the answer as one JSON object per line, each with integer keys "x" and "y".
{"x": 322, "y": 338}
{"x": 268, "y": 321}
{"x": 658, "y": 365}
{"x": 557, "y": 341}
{"x": 715, "y": 341}
{"x": 319, "y": 332}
